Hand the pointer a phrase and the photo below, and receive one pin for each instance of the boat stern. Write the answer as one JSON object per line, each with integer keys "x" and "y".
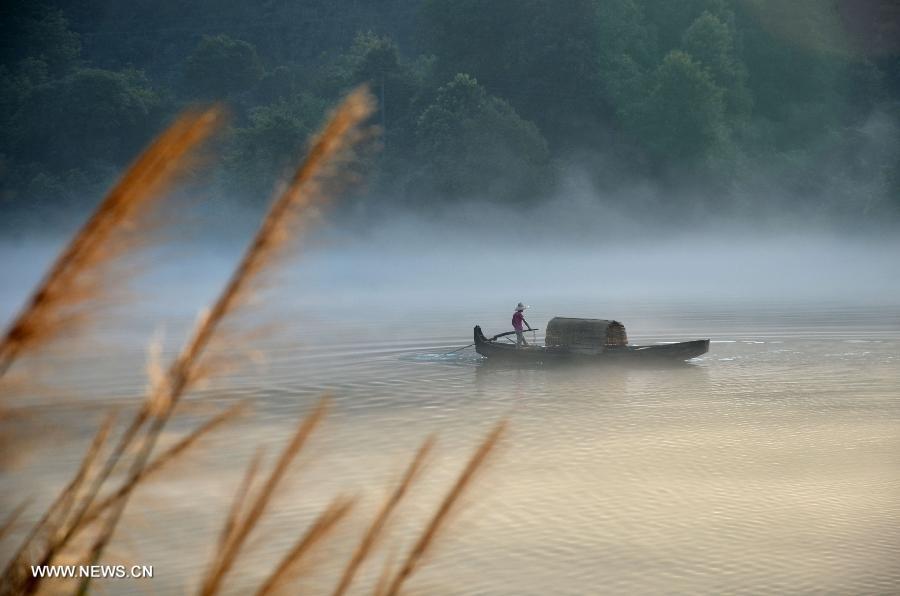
{"x": 480, "y": 340}
{"x": 695, "y": 348}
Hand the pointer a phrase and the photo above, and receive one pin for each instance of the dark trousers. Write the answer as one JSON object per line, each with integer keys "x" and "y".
{"x": 520, "y": 339}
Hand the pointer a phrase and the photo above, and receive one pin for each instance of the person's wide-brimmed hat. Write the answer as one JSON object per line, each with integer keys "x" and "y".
{"x": 521, "y": 306}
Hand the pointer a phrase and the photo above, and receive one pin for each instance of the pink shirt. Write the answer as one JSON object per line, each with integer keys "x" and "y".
{"x": 517, "y": 319}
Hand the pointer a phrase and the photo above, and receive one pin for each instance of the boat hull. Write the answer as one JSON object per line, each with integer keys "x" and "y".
{"x": 676, "y": 352}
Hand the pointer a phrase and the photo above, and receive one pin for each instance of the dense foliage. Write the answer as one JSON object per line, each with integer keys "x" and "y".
{"x": 728, "y": 104}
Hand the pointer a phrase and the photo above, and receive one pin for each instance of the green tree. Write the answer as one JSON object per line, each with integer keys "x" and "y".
{"x": 893, "y": 184}
{"x": 682, "y": 116}
{"x": 539, "y": 57}
{"x": 221, "y": 66}
{"x": 37, "y": 32}
{"x": 710, "y": 41}
{"x": 90, "y": 116}
{"x": 476, "y": 145}
{"x": 797, "y": 92}
{"x": 272, "y": 141}
{"x": 279, "y": 83}
{"x": 402, "y": 87}
{"x": 623, "y": 32}
{"x": 671, "y": 19}
{"x": 376, "y": 60}
{"x": 17, "y": 84}
{"x": 627, "y": 52}
{"x": 373, "y": 57}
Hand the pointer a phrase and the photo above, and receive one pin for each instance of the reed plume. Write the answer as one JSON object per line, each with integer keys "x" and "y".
{"x": 13, "y": 517}
{"x": 314, "y": 181}
{"x": 323, "y": 524}
{"x": 74, "y": 509}
{"x": 240, "y": 497}
{"x": 378, "y": 524}
{"x": 16, "y": 578}
{"x": 77, "y": 278}
{"x": 308, "y": 188}
{"x": 87, "y": 511}
{"x": 414, "y": 558}
{"x": 244, "y": 522}
{"x": 159, "y": 462}
{"x": 381, "y": 586}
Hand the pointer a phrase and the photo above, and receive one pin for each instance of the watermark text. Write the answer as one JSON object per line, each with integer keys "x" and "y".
{"x": 92, "y": 571}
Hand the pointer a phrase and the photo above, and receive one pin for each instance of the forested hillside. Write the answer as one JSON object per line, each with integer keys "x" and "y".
{"x": 726, "y": 105}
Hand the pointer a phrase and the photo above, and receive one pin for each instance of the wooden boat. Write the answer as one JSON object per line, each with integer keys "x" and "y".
{"x": 585, "y": 341}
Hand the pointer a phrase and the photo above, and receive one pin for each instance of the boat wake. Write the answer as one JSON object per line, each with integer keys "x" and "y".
{"x": 463, "y": 357}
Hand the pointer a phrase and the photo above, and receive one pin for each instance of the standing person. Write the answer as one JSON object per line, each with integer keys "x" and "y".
{"x": 518, "y": 319}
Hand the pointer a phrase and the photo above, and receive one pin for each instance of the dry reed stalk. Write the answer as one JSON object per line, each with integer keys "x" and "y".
{"x": 237, "y": 506}
{"x": 245, "y": 522}
{"x": 42, "y": 537}
{"x": 332, "y": 146}
{"x": 342, "y": 133}
{"x": 84, "y": 507}
{"x": 77, "y": 276}
{"x": 324, "y": 523}
{"x": 81, "y": 514}
{"x": 11, "y": 434}
{"x": 414, "y": 558}
{"x": 378, "y": 524}
{"x": 13, "y": 517}
{"x": 103, "y": 475}
{"x": 158, "y": 463}
{"x": 116, "y": 501}
{"x": 125, "y": 440}
{"x": 384, "y": 577}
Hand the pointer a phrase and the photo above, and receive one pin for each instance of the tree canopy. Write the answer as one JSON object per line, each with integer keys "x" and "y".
{"x": 478, "y": 100}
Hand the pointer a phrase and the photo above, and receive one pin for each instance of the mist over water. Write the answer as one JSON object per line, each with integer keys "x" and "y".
{"x": 479, "y": 256}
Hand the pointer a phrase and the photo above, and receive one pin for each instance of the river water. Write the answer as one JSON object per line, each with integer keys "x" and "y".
{"x": 769, "y": 465}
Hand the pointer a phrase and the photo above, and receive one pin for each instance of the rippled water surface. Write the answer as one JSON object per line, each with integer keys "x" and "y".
{"x": 769, "y": 465}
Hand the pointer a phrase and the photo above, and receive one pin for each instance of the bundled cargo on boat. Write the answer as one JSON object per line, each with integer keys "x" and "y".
{"x": 585, "y": 335}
